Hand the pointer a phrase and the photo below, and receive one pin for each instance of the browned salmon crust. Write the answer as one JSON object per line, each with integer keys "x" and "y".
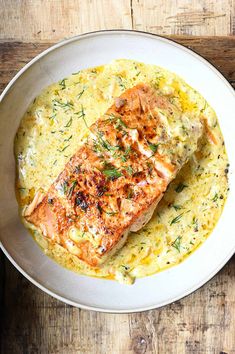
{"x": 112, "y": 180}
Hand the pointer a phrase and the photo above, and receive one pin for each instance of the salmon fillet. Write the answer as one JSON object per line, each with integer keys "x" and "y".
{"x": 113, "y": 183}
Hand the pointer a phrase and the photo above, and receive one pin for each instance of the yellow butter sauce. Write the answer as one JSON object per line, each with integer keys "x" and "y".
{"x": 56, "y": 124}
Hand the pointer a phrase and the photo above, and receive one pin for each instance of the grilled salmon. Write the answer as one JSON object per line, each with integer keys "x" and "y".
{"x": 113, "y": 183}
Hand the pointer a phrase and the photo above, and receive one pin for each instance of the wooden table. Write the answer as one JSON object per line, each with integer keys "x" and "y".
{"x": 33, "y": 322}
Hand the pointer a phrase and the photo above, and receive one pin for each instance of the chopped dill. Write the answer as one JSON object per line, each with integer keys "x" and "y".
{"x": 177, "y": 207}
{"x": 112, "y": 173}
{"x": 120, "y": 83}
{"x": 101, "y": 210}
{"x": 81, "y": 114}
{"x": 80, "y": 94}
{"x": 153, "y": 147}
{"x": 68, "y": 138}
{"x": 176, "y": 219}
{"x": 71, "y": 189}
{"x": 177, "y": 243}
{"x": 62, "y": 84}
{"x": 69, "y": 123}
{"x": 53, "y": 115}
{"x": 180, "y": 187}
{"x": 129, "y": 170}
{"x": 68, "y": 105}
{"x": 119, "y": 124}
{"x": 102, "y": 143}
{"x": 195, "y": 224}
{"x": 126, "y": 154}
{"x": 62, "y": 188}
{"x": 64, "y": 148}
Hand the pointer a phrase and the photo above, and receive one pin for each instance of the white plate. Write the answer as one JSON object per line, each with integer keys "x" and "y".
{"x": 52, "y": 65}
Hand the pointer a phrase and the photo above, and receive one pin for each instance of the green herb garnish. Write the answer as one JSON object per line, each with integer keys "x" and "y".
{"x": 104, "y": 143}
{"x": 119, "y": 124}
{"x": 177, "y": 243}
{"x": 62, "y": 84}
{"x": 195, "y": 223}
{"x": 101, "y": 210}
{"x": 176, "y": 219}
{"x": 62, "y": 188}
{"x": 129, "y": 170}
{"x": 180, "y": 187}
{"x": 71, "y": 189}
{"x": 112, "y": 173}
{"x": 153, "y": 147}
{"x": 81, "y": 114}
{"x": 53, "y": 115}
{"x": 68, "y": 138}
{"x": 120, "y": 82}
{"x": 68, "y": 105}
{"x": 214, "y": 199}
{"x": 69, "y": 123}
{"x": 177, "y": 207}
{"x": 80, "y": 94}
{"x": 63, "y": 148}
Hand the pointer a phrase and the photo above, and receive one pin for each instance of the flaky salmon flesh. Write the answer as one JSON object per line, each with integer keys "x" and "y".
{"x": 113, "y": 183}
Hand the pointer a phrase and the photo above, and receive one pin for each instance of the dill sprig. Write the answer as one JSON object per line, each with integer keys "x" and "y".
{"x": 112, "y": 172}
{"x": 177, "y": 243}
{"x": 176, "y": 219}
{"x": 80, "y": 94}
{"x": 81, "y": 114}
{"x": 180, "y": 187}
{"x": 62, "y": 84}
{"x": 63, "y": 149}
{"x": 177, "y": 207}
{"x": 67, "y": 105}
{"x": 102, "y": 210}
{"x": 71, "y": 189}
{"x": 153, "y": 147}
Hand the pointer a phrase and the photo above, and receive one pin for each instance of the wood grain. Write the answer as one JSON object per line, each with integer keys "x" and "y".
{"x": 50, "y": 20}
{"x": 35, "y": 323}
{"x": 220, "y": 51}
{"x": 182, "y": 17}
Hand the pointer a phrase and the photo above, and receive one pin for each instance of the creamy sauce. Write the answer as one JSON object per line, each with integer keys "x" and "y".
{"x": 56, "y": 124}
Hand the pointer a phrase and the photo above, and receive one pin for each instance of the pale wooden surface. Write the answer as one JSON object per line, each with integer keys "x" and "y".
{"x": 33, "y": 322}
{"x": 43, "y": 20}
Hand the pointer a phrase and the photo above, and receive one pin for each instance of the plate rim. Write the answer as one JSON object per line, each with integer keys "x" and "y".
{"x": 3, "y": 94}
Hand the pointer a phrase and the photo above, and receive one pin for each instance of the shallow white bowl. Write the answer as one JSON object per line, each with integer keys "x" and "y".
{"x": 58, "y": 62}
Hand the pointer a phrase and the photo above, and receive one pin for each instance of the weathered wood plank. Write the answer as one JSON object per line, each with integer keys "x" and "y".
{"x": 204, "y": 322}
{"x": 182, "y": 17}
{"x": 36, "y": 20}
{"x": 220, "y": 51}
{"x": 42, "y": 20}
